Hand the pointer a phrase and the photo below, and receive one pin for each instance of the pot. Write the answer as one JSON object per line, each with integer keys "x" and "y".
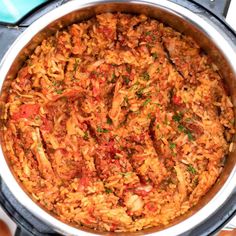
{"x": 217, "y": 43}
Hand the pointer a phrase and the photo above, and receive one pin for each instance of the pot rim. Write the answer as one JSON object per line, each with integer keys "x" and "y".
{"x": 205, "y": 26}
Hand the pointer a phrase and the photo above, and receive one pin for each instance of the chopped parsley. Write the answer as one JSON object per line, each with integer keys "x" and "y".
{"x": 126, "y": 100}
{"x": 146, "y": 101}
{"x": 109, "y": 120}
{"x": 126, "y": 79}
{"x": 166, "y": 122}
{"x": 107, "y": 190}
{"x": 37, "y": 118}
{"x": 125, "y": 173}
{"x": 154, "y": 37}
{"x": 128, "y": 68}
{"x": 232, "y": 121}
{"x": 85, "y": 135}
{"x": 172, "y": 146}
{"x": 190, "y": 136}
{"x": 101, "y": 130}
{"x": 188, "y": 119}
{"x": 77, "y": 60}
{"x": 181, "y": 128}
{"x": 113, "y": 78}
{"x": 177, "y": 117}
{"x": 146, "y": 76}
{"x": 148, "y": 32}
{"x": 59, "y": 91}
{"x": 191, "y": 169}
{"x": 54, "y": 83}
{"x": 139, "y": 93}
{"x": 154, "y": 55}
{"x": 149, "y": 116}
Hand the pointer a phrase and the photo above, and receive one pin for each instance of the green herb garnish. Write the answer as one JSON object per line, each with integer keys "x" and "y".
{"x": 54, "y": 83}
{"x": 145, "y": 76}
{"x": 181, "y": 128}
{"x": 146, "y": 102}
{"x": 177, "y": 117}
{"x": 77, "y": 60}
{"x": 109, "y": 120}
{"x": 59, "y": 91}
{"x": 172, "y": 146}
{"x": 85, "y": 135}
{"x": 126, "y": 79}
{"x": 149, "y": 116}
{"x": 139, "y": 93}
{"x": 101, "y": 130}
{"x": 128, "y": 68}
{"x": 126, "y": 100}
{"x": 154, "y": 37}
{"x": 188, "y": 119}
{"x": 148, "y": 32}
{"x": 166, "y": 122}
{"x": 113, "y": 78}
{"x": 191, "y": 169}
{"x": 107, "y": 190}
{"x": 125, "y": 173}
{"x": 154, "y": 55}
{"x": 190, "y": 136}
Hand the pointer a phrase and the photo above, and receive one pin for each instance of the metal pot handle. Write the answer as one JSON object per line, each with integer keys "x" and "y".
{"x": 21, "y": 232}
{"x": 27, "y": 13}
{"x": 9, "y": 32}
{"x": 218, "y": 7}
{"x": 231, "y": 225}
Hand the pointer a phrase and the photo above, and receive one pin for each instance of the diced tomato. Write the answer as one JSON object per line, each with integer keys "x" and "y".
{"x": 195, "y": 128}
{"x": 151, "y": 206}
{"x": 26, "y": 111}
{"x": 113, "y": 227}
{"x": 74, "y": 31}
{"x": 47, "y": 125}
{"x": 148, "y": 38}
{"x": 176, "y": 100}
{"x": 93, "y": 75}
{"x": 23, "y": 73}
{"x": 108, "y": 32}
{"x": 129, "y": 212}
{"x": 24, "y": 76}
{"x": 142, "y": 193}
{"x": 84, "y": 181}
{"x": 96, "y": 91}
{"x": 91, "y": 211}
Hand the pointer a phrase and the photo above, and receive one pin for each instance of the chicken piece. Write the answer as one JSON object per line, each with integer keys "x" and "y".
{"x": 134, "y": 203}
{"x": 116, "y": 104}
{"x": 44, "y": 164}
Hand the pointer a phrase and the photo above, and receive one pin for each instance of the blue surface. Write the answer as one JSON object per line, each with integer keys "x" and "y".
{"x": 11, "y": 11}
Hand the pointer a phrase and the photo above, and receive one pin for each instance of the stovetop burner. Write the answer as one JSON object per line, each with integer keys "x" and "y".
{"x": 28, "y": 225}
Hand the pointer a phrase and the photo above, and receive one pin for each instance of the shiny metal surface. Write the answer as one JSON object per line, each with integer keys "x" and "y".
{"x": 211, "y": 38}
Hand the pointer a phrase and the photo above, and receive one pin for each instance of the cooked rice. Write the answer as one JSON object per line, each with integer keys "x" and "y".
{"x": 118, "y": 123}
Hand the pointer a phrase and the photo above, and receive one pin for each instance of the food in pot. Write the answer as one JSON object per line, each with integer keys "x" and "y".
{"x": 118, "y": 123}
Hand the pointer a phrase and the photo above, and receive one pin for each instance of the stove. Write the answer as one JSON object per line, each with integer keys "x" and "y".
{"x": 15, "y": 17}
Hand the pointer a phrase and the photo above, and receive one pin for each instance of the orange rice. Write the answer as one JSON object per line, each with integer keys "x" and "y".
{"x": 118, "y": 123}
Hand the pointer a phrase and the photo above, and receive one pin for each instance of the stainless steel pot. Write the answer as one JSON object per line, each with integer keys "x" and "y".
{"x": 210, "y": 37}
